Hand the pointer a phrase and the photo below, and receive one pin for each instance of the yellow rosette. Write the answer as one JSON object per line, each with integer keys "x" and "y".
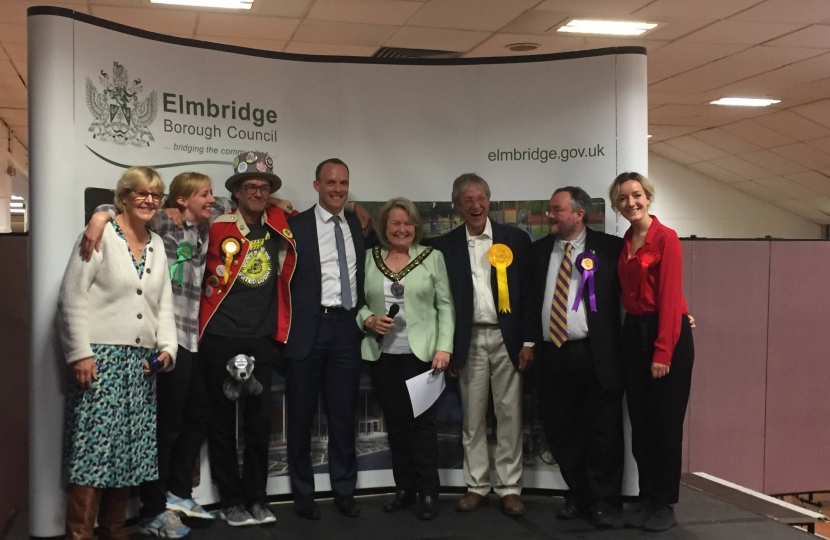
{"x": 501, "y": 257}
{"x": 230, "y": 247}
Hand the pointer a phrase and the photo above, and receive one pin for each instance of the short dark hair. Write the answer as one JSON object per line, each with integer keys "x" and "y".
{"x": 579, "y": 199}
{"x": 322, "y": 164}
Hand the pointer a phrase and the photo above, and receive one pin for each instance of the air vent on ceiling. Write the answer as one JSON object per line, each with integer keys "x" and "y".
{"x": 399, "y": 52}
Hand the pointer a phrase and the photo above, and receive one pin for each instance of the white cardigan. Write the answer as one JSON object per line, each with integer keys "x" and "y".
{"x": 103, "y": 301}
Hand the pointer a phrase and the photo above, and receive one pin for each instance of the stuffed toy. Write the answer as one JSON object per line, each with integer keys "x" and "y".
{"x": 241, "y": 379}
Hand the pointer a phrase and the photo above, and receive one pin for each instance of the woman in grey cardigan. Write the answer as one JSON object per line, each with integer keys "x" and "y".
{"x": 115, "y": 317}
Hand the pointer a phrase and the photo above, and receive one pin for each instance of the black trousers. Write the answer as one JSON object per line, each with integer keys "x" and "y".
{"x": 182, "y": 420}
{"x": 583, "y": 425}
{"x": 413, "y": 441}
{"x": 333, "y": 364}
{"x": 250, "y": 487}
{"x": 656, "y": 407}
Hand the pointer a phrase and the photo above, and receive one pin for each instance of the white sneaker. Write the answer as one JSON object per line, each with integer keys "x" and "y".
{"x": 187, "y": 507}
{"x": 165, "y": 525}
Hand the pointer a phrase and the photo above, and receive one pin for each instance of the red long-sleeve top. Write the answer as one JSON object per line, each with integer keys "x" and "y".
{"x": 661, "y": 291}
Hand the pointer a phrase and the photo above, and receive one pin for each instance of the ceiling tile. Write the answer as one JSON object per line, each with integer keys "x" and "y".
{"x": 804, "y": 210}
{"x": 534, "y": 21}
{"x": 793, "y": 84}
{"x": 741, "y": 167}
{"x": 11, "y": 81}
{"x": 436, "y": 38}
{"x": 732, "y": 31}
{"x": 394, "y": 12}
{"x": 339, "y": 33}
{"x": 14, "y": 117}
{"x": 116, "y": 2}
{"x": 756, "y": 133}
{"x": 497, "y": 44}
{"x": 246, "y": 26}
{"x": 470, "y": 14}
{"x": 679, "y": 56}
{"x": 292, "y": 9}
{"x": 717, "y": 173}
{"x": 773, "y": 162}
{"x": 794, "y": 126}
{"x": 813, "y": 36}
{"x": 697, "y": 148}
{"x": 14, "y": 11}
{"x": 758, "y": 191}
{"x": 15, "y": 51}
{"x": 820, "y": 203}
{"x": 22, "y": 135}
{"x": 12, "y": 100}
{"x": 739, "y": 66}
{"x": 726, "y": 141}
{"x": 604, "y": 8}
{"x": 786, "y": 11}
{"x": 261, "y": 44}
{"x": 806, "y": 155}
{"x": 13, "y": 33}
{"x": 659, "y": 133}
{"x": 298, "y": 47}
{"x": 673, "y": 153}
{"x": 699, "y": 115}
{"x": 676, "y": 98}
{"x": 813, "y": 180}
{"x": 715, "y": 9}
{"x": 672, "y": 28}
{"x": 818, "y": 111}
{"x": 161, "y": 20}
{"x": 787, "y": 188}
{"x": 820, "y": 144}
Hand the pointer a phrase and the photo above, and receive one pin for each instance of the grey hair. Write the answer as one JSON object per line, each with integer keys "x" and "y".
{"x": 463, "y": 182}
{"x": 580, "y": 200}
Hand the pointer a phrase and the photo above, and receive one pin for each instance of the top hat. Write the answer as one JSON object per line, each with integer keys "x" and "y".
{"x": 253, "y": 165}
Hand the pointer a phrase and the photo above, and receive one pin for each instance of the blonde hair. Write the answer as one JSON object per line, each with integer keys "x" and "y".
{"x": 184, "y": 185}
{"x": 614, "y": 190}
{"x": 134, "y": 178}
{"x": 383, "y": 218}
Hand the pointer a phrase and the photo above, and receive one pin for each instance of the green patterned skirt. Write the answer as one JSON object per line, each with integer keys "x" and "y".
{"x": 110, "y": 435}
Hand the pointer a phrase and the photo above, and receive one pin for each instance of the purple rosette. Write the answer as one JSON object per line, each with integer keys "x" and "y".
{"x": 587, "y": 263}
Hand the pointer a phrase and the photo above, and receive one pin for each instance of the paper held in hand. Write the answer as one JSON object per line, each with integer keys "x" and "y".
{"x": 424, "y": 390}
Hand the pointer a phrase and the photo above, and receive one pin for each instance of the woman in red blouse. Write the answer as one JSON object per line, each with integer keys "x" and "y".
{"x": 657, "y": 350}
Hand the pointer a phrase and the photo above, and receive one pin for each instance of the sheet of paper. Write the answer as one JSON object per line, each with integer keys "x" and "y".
{"x": 424, "y": 390}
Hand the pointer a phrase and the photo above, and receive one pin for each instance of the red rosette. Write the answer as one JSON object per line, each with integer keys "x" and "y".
{"x": 648, "y": 256}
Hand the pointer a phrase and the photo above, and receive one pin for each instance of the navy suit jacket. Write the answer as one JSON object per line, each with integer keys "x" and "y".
{"x": 517, "y": 326}
{"x": 604, "y": 324}
{"x": 306, "y": 285}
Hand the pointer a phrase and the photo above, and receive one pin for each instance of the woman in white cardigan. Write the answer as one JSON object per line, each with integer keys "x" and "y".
{"x": 115, "y": 317}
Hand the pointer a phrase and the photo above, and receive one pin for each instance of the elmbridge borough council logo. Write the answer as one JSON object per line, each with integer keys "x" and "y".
{"x": 119, "y": 116}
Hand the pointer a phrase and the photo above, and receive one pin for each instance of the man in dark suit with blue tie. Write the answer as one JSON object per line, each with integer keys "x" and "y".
{"x": 489, "y": 269}
{"x": 578, "y": 343}
{"x": 323, "y": 347}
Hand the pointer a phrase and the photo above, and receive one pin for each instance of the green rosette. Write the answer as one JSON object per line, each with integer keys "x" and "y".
{"x": 184, "y": 252}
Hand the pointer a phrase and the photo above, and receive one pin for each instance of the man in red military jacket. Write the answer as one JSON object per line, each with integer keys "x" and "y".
{"x": 245, "y": 309}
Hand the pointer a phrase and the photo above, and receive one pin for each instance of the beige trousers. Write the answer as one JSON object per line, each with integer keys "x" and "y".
{"x": 489, "y": 368}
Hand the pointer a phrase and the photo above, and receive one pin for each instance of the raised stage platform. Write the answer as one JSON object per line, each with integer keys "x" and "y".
{"x": 708, "y": 510}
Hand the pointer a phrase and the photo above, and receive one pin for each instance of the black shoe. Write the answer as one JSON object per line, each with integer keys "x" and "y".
{"x": 601, "y": 519}
{"x": 347, "y": 506}
{"x": 637, "y": 517}
{"x": 305, "y": 507}
{"x": 428, "y": 509}
{"x": 662, "y": 519}
{"x": 403, "y": 499}
{"x": 569, "y": 511}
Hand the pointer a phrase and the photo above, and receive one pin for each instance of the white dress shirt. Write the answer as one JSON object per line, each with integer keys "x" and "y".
{"x": 329, "y": 263}
{"x": 484, "y": 307}
{"x": 577, "y": 320}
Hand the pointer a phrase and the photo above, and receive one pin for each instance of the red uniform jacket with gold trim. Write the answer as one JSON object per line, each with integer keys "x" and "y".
{"x": 232, "y": 225}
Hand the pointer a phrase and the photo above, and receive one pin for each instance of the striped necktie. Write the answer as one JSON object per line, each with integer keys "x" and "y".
{"x": 558, "y": 307}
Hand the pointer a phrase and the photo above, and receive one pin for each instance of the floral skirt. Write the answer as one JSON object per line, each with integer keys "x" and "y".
{"x": 110, "y": 435}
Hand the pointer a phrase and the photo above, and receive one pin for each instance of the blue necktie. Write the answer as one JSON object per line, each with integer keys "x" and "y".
{"x": 345, "y": 284}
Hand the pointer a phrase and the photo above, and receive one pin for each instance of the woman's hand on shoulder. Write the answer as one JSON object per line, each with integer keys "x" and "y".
{"x": 85, "y": 372}
{"x": 91, "y": 240}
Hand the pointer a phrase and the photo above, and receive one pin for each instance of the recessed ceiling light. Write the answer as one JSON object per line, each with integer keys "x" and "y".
{"x": 227, "y": 4}
{"x": 614, "y": 28}
{"x": 15, "y": 205}
{"x": 523, "y": 47}
{"x": 16, "y": 198}
{"x": 745, "y": 102}
{"x": 648, "y": 137}
{"x": 17, "y": 211}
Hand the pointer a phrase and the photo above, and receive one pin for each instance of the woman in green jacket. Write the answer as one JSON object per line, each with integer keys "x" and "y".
{"x": 418, "y": 338}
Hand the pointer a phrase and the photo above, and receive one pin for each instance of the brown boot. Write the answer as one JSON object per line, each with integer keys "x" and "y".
{"x": 81, "y": 509}
{"x": 113, "y": 513}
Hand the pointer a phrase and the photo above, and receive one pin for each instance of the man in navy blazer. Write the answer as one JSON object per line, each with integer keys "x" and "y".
{"x": 493, "y": 344}
{"x": 323, "y": 346}
{"x": 581, "y": 381}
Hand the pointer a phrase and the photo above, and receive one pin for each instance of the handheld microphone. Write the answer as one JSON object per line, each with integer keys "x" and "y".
{"x": 393, "y": 310}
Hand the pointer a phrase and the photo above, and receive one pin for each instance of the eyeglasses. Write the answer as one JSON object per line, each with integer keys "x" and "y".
{"x": 469, "y": 202}
{"x": 141, "y": 196}
{"x": 252, "y": 189}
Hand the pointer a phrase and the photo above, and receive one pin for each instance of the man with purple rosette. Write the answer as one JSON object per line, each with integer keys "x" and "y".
{"x": 575, "y": 275}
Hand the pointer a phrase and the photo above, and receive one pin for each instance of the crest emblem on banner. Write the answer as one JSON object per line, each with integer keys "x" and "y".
{"x": 119, "y": 115}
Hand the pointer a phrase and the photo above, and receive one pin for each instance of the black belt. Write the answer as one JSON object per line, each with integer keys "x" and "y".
{"x": 333, "y": 310}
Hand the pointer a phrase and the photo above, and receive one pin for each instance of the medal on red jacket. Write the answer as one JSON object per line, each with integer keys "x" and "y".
{"x": 647, "y": 256}
{"x": 231, "y": 248}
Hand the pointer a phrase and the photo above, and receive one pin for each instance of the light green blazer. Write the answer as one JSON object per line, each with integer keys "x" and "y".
{"x": 430, "y": 315}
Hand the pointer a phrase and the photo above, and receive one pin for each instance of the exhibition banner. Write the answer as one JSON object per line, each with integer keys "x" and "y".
{"x": 104, "y": 97}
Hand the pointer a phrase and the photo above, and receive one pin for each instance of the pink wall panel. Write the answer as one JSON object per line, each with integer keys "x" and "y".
{"x": 726, "y": 417}
{"x": 688, "y": 251}
{"x": 797, "y": 457}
